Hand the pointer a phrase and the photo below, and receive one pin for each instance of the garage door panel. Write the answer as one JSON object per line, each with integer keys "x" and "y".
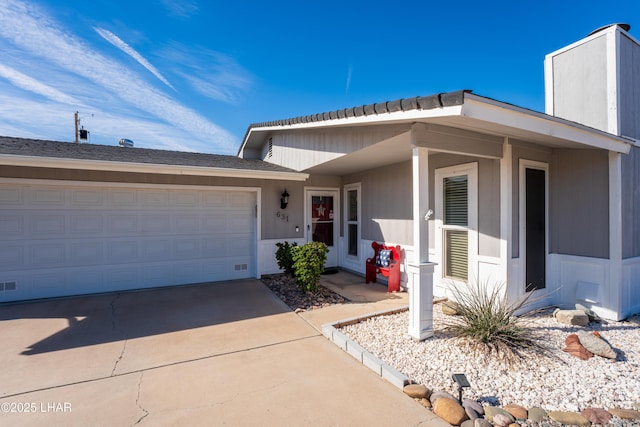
{"x": 49, "y": 224}
{"x": 241, "y": 201}
{"x": 11, "y": 225}
{"x": 60, "y": 240}
{"x": 86, "y": 253}
{"x": 186, "y": 223}
{"x": 11, "y": 196}
{"x": 89, "y": 225}
{"x": 155, "y": 275}
{"x": 122, "y": 198}
{"x": 121, "y": 278}
{"x": 87, "y": 281}
{"x": 155, "y": 249}
{"x": 185, "y": 199}
{"x": 214, "y": 248}
{"x": 213, "y": 223}
{"x": 86, "y": 198}
{"x": 215, "y": 199}
{"x": 154, "y": 198}
{"x": 121, "y": 224}
{"x": 240, "y": 245}
{"x": 241, "y": 221}
{"x": 121, "y": 251}
{"x": 48, "y": 254}
{"x": 155, "y": 224}
{"x": 12, "y": 257}
{"x": 186, "y": 248}
{"x": 39, "y": 197}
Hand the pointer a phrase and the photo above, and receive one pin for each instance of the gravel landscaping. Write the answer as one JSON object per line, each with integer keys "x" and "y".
{"x": 555, "y": 382}
{"x": 560, "y": 382}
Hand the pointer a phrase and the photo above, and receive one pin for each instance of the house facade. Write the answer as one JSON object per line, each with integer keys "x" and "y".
{"x": 471, "y": 188}
{"x": 476, "y": 189}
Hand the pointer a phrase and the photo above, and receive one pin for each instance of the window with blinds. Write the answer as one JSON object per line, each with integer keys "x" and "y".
{"x": 455, "y": 223}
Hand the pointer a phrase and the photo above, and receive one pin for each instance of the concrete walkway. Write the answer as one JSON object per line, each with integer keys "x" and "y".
{"x": 223, "y": 353}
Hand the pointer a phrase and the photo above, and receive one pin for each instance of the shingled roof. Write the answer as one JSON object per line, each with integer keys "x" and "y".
{"x": 106, "y": 153}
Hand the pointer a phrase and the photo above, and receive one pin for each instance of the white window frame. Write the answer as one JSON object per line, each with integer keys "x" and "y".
{"x": 357, "y": 187}
{"x": 471, "y": 171}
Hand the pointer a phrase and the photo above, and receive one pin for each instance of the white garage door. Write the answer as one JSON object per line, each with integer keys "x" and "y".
{"x": 72, "y": 239}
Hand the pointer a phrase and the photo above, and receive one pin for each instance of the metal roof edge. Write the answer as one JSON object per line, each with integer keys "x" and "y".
{"x": 440, "y": 100}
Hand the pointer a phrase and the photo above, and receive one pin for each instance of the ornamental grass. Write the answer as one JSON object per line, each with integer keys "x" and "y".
{"x": 487, "y": 322}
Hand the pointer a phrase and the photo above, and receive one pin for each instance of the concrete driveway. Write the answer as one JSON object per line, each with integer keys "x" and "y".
{"x": 223, "y": 353}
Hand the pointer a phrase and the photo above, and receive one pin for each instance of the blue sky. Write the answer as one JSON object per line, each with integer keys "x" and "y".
{"x": 193, "y": 74}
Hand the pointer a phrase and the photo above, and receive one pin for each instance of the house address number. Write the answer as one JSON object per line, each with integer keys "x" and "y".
{"x": 283, "y": 216}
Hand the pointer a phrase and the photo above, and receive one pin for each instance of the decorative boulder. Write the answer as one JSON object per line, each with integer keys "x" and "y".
{"x": 417, "y": 391}
{"x": 439, "y": 394}
{"x": 519, "y": 412}
{"x": 537, "y": 414}
{"x": 490, "y": 413}
{"x": 597, "y": 345}
{"x": 449, "y": 308}
{"x": 570, "y": 418}
{"x": 593, "y": 317}
{"x": 575, "y": 348}
{"x": 472, "y": 408}
{"x": 449, "y": 410}
{"x": 596, "y": 415}
{"x": 625, "y": 414}
{"x": 501, "y": 420}
{"x": 572, "y": 317}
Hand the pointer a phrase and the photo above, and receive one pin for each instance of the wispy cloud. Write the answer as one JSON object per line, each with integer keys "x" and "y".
{"x": 123, "y": 46}
{"x": 37, "y": 35}
{"x": 210, "y": 73}
{"x": 25, "y": 82}
{"x": 349, "y": 74}
{"x": 181, "y": 8}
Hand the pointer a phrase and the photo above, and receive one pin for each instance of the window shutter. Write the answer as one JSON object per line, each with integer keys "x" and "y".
{"x": 456, "y": 214}
{"x": 456, "y": 201}
{"x": 457, "y": 250}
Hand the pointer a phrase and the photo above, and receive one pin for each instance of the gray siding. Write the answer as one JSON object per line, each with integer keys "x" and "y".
{"x": 579, "y": 211}
{"x": 386, "y": 203}
{"x": 580, "y": 84}
{"x": 304, "y": 149}
{"x": 631, "y": 204}
{"x": 629, "y": 87}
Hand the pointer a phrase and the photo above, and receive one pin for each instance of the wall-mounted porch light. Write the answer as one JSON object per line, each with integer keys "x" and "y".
{"x": 284, "y": 200}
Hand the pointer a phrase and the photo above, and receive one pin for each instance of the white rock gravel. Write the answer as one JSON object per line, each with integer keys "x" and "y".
{"x": 561, "y": 383}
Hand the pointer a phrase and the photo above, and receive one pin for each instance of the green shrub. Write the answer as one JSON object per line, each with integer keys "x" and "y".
{"x": 285, "y": 257}
{"x": 487, "y": 321}
{"x": 308, "y": 264}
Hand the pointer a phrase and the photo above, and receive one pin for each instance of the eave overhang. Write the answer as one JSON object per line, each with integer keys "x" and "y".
{"x": 111, "y": 166}
{"x": 472, "y": 112}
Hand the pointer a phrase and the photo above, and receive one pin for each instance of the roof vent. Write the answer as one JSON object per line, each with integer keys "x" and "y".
{"x": 625, "y": 27}
{"x": 124, "y": 142}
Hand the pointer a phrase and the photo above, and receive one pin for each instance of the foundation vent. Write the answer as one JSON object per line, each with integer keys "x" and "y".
{"x": 8, "y": 286}
{"x": 240, "y": 267}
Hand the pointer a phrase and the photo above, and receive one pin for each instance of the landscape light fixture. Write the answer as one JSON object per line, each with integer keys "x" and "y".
{"x": 284, "y": 200}
{"x": 462, "y": 382}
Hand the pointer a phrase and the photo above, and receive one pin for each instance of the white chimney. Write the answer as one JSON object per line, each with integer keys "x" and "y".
{"x": 596, "y": 81}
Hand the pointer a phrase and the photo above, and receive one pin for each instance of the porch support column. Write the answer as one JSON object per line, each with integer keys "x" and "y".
{"x": 615, "y": 234}
{"x": 512, "y": 287}
{"x": 420, "y": 270}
